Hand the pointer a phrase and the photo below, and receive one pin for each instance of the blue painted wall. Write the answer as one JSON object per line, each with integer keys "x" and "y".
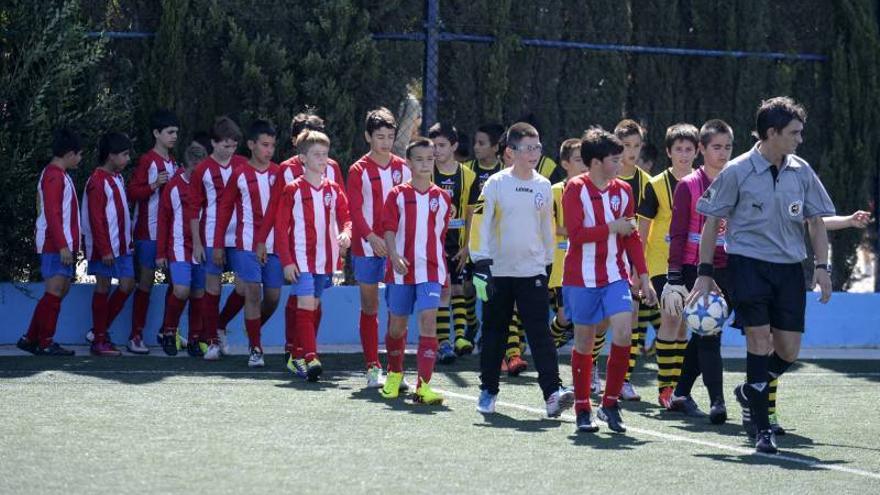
{"x": 849, "y": 320}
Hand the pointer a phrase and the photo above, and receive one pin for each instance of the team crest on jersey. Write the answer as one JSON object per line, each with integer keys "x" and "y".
{"x": 794, "y": 209}
{"x": 615, "y": 203}
{"x": 396, "y": 177}
{"x": 539, "y": 201}
{"x": 707, "y": 195}
{"x": 328, "y": 199}
{"x": 271, "y": 180}
{"x": 434, "y": 204}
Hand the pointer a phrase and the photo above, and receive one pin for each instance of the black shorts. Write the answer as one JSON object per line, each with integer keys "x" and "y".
{"x": 455, "y": 277}
{"x": 765, "y": 293}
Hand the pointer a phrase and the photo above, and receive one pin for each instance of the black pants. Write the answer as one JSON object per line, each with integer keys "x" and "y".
{"x": 533, "y": 303}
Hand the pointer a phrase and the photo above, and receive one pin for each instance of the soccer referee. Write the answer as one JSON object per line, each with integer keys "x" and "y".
{"x": 517, "y": 239}
{"x": 766, "y": 195}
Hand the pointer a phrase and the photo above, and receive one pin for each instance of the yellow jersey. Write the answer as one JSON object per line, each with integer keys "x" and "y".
{"x": 561, "y": 240}
{"x": 656, "y": 205}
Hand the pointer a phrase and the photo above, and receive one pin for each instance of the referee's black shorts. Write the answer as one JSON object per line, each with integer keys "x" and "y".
{"x": 765, "y": 293}
{"x": 456, "y": 277}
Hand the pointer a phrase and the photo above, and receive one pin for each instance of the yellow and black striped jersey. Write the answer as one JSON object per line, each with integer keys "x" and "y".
{"x": 460, "y": 186}
{"x": 656, "y": 205}
{"x": 561, "y": 240}
{"x": 638, "y": 182}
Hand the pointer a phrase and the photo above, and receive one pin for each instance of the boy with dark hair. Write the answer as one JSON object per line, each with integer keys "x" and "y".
{"x": 210, "y": 180}
{"x": 370, "y": 179}
{"x": 247, "y": 197}
{"x": 648, "y": 159}
{"x": 655, "y": 215}
{"x": 510, "y": 268}
{"x": 57, "y": 238}
{"x": 154, "y": 169}
{"x": 599, "y": 217}
{"x": 107, "y": 233}
{"x": 174, "y": 254}
{"x": 458, "y": 182}
{"x": 416, "y": 216}
{"x": 546, "y": 165}
{"x": 313, "y": 227}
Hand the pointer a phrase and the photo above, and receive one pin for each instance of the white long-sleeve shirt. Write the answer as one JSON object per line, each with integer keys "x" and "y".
{"x": 516, "y": 231}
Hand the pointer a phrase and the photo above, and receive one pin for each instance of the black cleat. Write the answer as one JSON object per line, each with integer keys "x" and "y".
{"x": 314, "y": 370}
{"x": 586, "y": 423}
{"x": 765, "y": 442}
{"x": 778, "y": 430}
{"x": 718, "y": 413}
{"x": 740, "y": 394}
{"x": 169, "y": 344}
{"x": 194, "y": 349}
{"x": 54, "y": 350}
{"x": 611, "y": 416}
{"x": 27, "y": 346}
{"x": 686, "y": 405}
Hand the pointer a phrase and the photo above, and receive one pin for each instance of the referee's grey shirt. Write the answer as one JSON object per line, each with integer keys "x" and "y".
{"x": 765, "y": 218}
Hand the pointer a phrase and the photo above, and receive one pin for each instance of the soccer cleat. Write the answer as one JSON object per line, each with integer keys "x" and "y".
{"x": 778, "y": 430}
{"x": 486, "y": 402}
{"x": 105, "y": 349}
{"x": 54, "y": 349}
{"x": 313, "y": 370}
{"x": 27, "y": 346}
{"x": 169, "y": 344}
{"x": 628, "y": 392}
{"x": 297, "y": 366}
{"x": 181, "y": 341}
{"x": 424, "y": 395}
{"x": 504, "y": 365}
{"x": 665, "y": 397}
{"x": 516, "y": 365}
{"x": 404, "y": 385}
{"x": 463, "y": 346}
{"x": 213, "y": 353}
{"x": 740, "y": 394}
{"x": 224, "y": 341}
{"x": 611, "y": 416}
{"x": 391, "y": 389}
{"x": 445, "y": 353}
{"x": 255, "y": 360}
{"x": 194, "y": 349}
{"x": 203, "y": 346}
{"x": 596, "y": 383}
{"x": 686, "y": 405}
{"x": 136, "y": 346}
{"x": 90, "y": 336}
{"x": 765, "y": 442}
{"x": 586, "y": 422}
{"x": 559, "y": 401}
{"x": 718, "y": 413}
{"x": 375, "y": 378}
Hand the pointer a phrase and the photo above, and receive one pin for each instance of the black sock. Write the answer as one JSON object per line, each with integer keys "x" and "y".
{"x": 777, "y": 366}
{"x": 757, "y": 390}
{"x": 712, "y": 367}
{"x": 691, "y": 368}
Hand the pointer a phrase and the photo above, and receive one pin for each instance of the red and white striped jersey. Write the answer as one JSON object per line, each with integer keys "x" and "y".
{"x": 208, "y": 183}
{"x": 106, "y": 224}
{"x": 292, "y": 168}
{"x": 57, "y": 212}
{"x": 419, "y": 221}
{"x": 146, "y": 200}
{"x": 595, "y": 258}
{"x": 308, "y": 223}
{"x": 176, "y": 210}
{"x": 246, "y": 198}
{"x": 368, "y": 187}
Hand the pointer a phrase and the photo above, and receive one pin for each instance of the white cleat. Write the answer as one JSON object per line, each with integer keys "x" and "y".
{"x": 375, "y": 377}
{"x": 255, "y": 360}
{"x": 628, "y": 392}
{"x": 213, "y": 353}
{"x": 559, "y": 401}
{"x": 136, "y": 346}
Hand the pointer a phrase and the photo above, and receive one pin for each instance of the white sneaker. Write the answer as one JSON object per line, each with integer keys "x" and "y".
{"x": 375, "y": 377}
{"x": 136, "y": 346}
{"x": 628, "y": 392}
{"x": 559, "y": 401}
{"x": 90, "y": 336}
{"x": 213, "y": 353}
{"x": 596, "y": 386}
{"x": 256, "y": 358}
{"x": 224, "y": 342}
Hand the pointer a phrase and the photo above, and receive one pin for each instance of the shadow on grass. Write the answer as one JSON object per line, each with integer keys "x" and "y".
{"x": 401, "y": 404}
{"x": 807, "y": 463}
{"x": 605, "y": 440}
{"x": 499, "y": 420}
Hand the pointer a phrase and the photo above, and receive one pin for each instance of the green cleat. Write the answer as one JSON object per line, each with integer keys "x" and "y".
{"x": 424, "y": 395}
{"x": 391, "y": 389}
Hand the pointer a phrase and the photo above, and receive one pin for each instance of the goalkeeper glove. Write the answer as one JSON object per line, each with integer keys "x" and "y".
{"x": 674, "y": 294}
{"x": 484, "y": 284}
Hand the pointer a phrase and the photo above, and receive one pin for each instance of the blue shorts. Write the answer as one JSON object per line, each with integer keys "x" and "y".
{"x": 251, "y": 271}
{"x": 591, "y": 305}
{"x": 145, "y": 254}
{"x": 122, "y": 267}
{"x": 403, "y": 299}
{"x": 51, "y": 266}
{"x": 310, "y": 284}
{"x": 368, "y": 269}
{"x": 191, "y": 275}
{"x": 212, "y": 269}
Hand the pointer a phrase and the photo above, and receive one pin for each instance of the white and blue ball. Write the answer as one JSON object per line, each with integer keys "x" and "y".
{"x": 706, "y": 316}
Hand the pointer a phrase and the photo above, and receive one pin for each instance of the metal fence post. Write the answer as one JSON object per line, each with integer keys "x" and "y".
{"x": 432, "y": 59}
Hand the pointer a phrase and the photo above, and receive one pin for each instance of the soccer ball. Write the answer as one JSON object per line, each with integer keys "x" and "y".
{"x": 707, "y": 319}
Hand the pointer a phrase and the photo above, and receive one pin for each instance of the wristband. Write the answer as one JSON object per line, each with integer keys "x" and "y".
{"x": 674, "y": 277}
{"x": 706, "y": 270}
{"x": 823, "y": 266}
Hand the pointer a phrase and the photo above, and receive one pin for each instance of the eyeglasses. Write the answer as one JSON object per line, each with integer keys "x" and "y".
{"x": 531, "y": 148}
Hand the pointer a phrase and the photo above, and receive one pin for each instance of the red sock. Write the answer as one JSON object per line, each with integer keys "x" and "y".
{"x": 581, "y": 370}
{"x": 115, "y": 305}
{"x": 99, "y": 317}
{"x": 305, "y": 330}
{"x": 173, "y": 310}
{"x": 34, "y": 330}
{"x": 233, "y": 305}
{"x": 369, "y": 327}
{"x": 195, "y": 319}
{"x": 426, "y": 356}
{"x": 49, "y": 320}
{"x": 210, "y": 309}
{"x": 290, "y": 337}
{"x": 395, "y": 347}
{"x": 318, "y": 314}
{"x": 139, "y": 313}
{"x": 615, "y": 371}
{"x": 253, "y": 332}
